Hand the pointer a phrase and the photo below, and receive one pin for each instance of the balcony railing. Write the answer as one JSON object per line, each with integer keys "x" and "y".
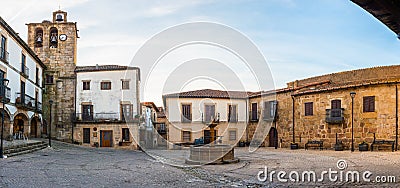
{"x": 214, "y": 118}
{"x": 24, "y": 70}
{"x": 25, "y": 101}
{"x": 102, "y": 117}
{"x": 4, "y": 55}
{"x": 39, "y": 107}
{"x": 334, "y": 116}
{"x": 6, "y": 92}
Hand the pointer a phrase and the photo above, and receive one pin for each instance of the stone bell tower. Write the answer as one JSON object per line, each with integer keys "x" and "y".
{"x": 55, "y": 44}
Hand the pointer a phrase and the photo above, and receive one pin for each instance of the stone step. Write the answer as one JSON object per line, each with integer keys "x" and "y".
{"x": 24, "y": 148}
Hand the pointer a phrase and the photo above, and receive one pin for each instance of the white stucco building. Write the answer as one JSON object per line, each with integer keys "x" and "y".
{"x": 24, "y": 70}
{"x": 190, "y": 112}
{"x": 107, "y": 105}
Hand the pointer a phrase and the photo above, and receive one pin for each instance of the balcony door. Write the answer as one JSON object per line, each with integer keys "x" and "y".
{"x": 336, "y": 105}
{"x": 87, "y": 112}
{"x": 209, "y": 112}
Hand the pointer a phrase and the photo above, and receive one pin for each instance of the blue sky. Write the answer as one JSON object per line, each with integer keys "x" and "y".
{"x": 299, "y": 39}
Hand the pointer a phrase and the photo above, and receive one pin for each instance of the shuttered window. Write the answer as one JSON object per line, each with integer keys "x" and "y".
{"x": 308, "y": 108}
{"x": 369, "y": 104}
{"x": 86, "y": 135}
{"x": 232, "y": 135}
{"x": 186, "y": 136}
{"x": 186, "y": 113}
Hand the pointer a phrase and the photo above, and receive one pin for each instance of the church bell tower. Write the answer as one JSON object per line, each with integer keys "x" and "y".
{"x": 55, "y": 43}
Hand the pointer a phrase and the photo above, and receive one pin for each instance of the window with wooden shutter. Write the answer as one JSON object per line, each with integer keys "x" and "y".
{"x": 232, "y": 113}
{"x": 232, "y": 135}
{"x": 186, "y": 136}
{"x": 369, "y": 104}
{"x": 186, "y": 113}
{"x": 308, "y": 108}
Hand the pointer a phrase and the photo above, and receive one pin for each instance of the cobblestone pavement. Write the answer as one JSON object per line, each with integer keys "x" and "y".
{"x": 66, "y": 165}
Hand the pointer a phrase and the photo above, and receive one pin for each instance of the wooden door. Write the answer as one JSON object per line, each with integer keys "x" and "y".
{"x": 273, "y": 137}
{"x": 207, "y": 136}
{"x": 105, "y": 138}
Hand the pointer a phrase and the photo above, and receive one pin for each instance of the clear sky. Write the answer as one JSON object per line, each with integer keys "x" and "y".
{"x": 299, "y": 39}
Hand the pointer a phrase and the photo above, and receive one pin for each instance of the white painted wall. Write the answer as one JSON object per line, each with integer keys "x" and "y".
{"x": 107, "y": 101}
{"x": 13, "y": 68}
{"x": 173, "y": 108}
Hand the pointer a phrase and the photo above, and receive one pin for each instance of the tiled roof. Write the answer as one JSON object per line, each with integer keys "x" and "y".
{"x": 209, "y": 93}
{"x": 102, "y": 68}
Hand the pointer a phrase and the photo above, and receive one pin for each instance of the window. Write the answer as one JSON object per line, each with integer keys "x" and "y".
{"x": 270, "y": 108}
{"x": 186, "y": 113}
{"x": 49, "y": 79}
{"x": 232, "y": 113}
{"x": 87, "y": 112}
{"x": 209, "y": 112}
{"x": 37, "y": 76}
{"x": 232, "y": 135}
{"x": 254, "y": 112}
{"x": 336, "y": 106}
{"x": 24, "y": 69}
{"x": 125, "y": 135}
{"x": 308, "y": 109}
{"x": 369, "y": 104}
{"x": 186, "y": 136}
{"x": 86, "y": 85}
{"x": 127, "y": 112}
{"x": 22, "y": 92}
{"x": 86, "y": 135}
{"x": 3, "y": 52}
{"x": 162, "y": 127}
{"x": 125, "y": 84}
{"x": 105, "y": 85}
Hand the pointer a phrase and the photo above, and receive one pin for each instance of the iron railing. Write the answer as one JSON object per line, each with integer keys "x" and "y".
{"x": 4, "y": 55}
{"x": 24, "y": 100}
{"x": 334, "y": 116}
{"x": 102, "y": 117}
{"x": 24, "y": 70}
{"x": 6, "y": 92}
{"x": 210, "y": 119}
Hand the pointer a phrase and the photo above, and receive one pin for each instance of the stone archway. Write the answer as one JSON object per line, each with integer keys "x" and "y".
{"x": 7, "y": 124}
{"x": 35, "y": 127}
{"x": 20, "y": 126}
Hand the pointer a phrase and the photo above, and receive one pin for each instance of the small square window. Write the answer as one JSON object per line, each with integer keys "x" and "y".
{"x": 308, "y": 109}
{"x": 49, "y": 79}
{"x": 86, "y": 85}
{"x": 369, "y": 104}
{"x": 105, "y": 85}
{"x": 186, "y": 136}
{"x": 125, "y": 84}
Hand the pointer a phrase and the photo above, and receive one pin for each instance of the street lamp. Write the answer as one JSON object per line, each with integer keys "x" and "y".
{"x": 352, "y": 95}
{"x": 51, "y": 104}
{"x": 3, "y": 96}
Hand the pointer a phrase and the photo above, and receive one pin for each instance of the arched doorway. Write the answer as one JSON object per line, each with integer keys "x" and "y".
{"x": 7, "y": 124}
{"x": 20, "y": 126}
{"x": 273, "y": 137}
{"x": 35, "y": 122}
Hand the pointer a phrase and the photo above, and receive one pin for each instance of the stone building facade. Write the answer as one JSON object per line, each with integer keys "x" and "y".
{"x": 55, "y": 43}
{"x": 321, "y": 107}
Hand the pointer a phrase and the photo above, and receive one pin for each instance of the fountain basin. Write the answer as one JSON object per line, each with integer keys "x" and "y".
{"x": 211, "y": 154}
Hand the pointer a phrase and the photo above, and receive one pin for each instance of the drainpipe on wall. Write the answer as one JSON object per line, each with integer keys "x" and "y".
{"x": 294, "y": 139}
{"x": 397, "y": 117}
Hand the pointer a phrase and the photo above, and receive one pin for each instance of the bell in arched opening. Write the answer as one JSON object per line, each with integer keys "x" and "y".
{"x": 59, "y": 18}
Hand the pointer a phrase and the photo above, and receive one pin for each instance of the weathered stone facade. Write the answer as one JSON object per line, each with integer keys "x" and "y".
{"x": 379, "y": 82}
{"x": 60, "y": 58}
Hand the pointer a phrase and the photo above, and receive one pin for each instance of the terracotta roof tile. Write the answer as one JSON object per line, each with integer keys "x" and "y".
{"x": 209, "y": 93}
{"x": 102, "y": 68}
